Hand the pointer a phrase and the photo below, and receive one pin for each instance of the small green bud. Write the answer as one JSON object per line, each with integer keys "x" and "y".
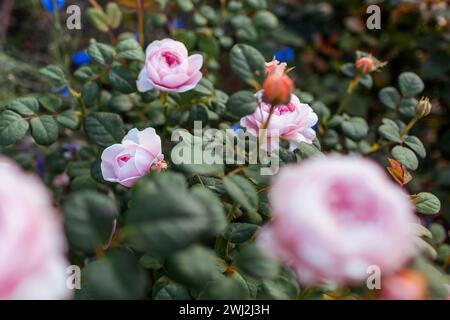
{"x": 423, "y": 107}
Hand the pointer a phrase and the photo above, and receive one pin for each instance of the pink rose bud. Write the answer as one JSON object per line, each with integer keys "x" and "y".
{"x": 125, "y": 163}
{"x": 169, "y": 68}
{"x": 364, "y": 64}
{"x": 32, "y": 243}
{"x": 336, "y": 216}
{"x": 291, "y": 121}
{"x": 275, "y": 66}
{"x": 405, "y": 285}
{"x": 277, "y": 88}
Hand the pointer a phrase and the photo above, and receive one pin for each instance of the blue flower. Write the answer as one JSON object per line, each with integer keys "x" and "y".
{"x": 80, "y": 57}
{"x": 236, "y": 127}
{"x": 64, "y": 92}
{"x": 314, "y": 127}
{"x": 48, "y": 5}
{"x": 176, "y": 23}
{"x": 285, "y": 55}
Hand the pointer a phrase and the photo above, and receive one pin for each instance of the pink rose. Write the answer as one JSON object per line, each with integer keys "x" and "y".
{"x": 32, "y": 242}
{"x": 335, "y": 216}
{"x": 291, "y": 121}
{"x": 169, "y": 68}
{"x": 139, "y": 152}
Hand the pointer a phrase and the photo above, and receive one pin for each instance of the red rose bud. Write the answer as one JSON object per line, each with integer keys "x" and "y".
{"x": 277, "y": 89}
{"x": 364, "y": 64}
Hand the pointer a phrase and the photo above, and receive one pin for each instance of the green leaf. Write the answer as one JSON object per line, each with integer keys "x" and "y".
{"x": 104, "y": 128}
{"x": 185, "y": 5}
{"x": 427, "y": 203}
{"x": 390, "y": 132}
{"x": 44, "y": 129}
{"x": 348, "y": 69}
{"x": 165, "y": 289}
{"x": 367, "y": 81}
{"x": 410, "y": 84}
{"x": 209, "y": 45}
{"x": 239, "y": 232}
{"x": 408, "y": 106}
{"x": 12, "y": 127}
{"x": 114, "y": 14}
{"x": 242, "y": 103}
{"x": 53, "y": 73}
{"x": 24, "y": 106}
{"x": 101, "y": 53}
{"x": 130, "y": 49}
{"x": 175, "y": 220}
{"x": 204, "y": 87}
{"x": 88, "y": 220}
{"x": 416, "y": 145}
{"x": 86, "y": 72}
{"x": 265, "y": 19}
{"x": 118, "y": 275}
{"x": 307, "y": 150}
{"x": 68, "y": 119}
{"x": 214, "y": 209}
{"x": 122, "y": 79}
{"x": 390, "y": 97}
{"x": 89, "y": 93}
{"x": 355, "y": 128}
{"x": 193, "y": 266}
{"x": 224, "y": 288}
{"x": 256, "y": 263}
{"x": 406, "y": 157}
{"x": 242, "y": 191}
{"x": 50, "y": 102}
{"x": 98, "y": 18}
{"x": 247, "y": 63}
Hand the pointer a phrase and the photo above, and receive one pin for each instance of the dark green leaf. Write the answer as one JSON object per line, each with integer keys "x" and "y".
{"x": 44, "y": 129}
{"x": 104, "y": 128}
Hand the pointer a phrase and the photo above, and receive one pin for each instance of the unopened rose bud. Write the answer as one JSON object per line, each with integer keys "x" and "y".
{"x": 405, "y": 285}
{"x": 277, "y": 89}
{"x": 160, "y": 165}
{"x": 364, "y": 64}
{"x": 423, "y": 107}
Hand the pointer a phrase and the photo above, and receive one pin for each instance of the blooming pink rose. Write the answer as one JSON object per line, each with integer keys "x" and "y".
{"x": 32, "y": 243}
{"x": 139, "y": 152}
{"x": 335, "y": 216}
{"x": 169, "y": 68}
{"x": 292, "y": 121}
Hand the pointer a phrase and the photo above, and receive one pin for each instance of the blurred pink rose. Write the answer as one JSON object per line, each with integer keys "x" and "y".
{"x": 404, "y": 285}
{"x": 169, "y": 68}
{"x": 335, "y": 216}
{"x": 32, "y": 243}
{"x": 291, "y": 121}
{"x": 139, "y": 152}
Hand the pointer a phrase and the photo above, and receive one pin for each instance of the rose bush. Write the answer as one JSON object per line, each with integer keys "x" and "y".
{"x": 360, "y": 137}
